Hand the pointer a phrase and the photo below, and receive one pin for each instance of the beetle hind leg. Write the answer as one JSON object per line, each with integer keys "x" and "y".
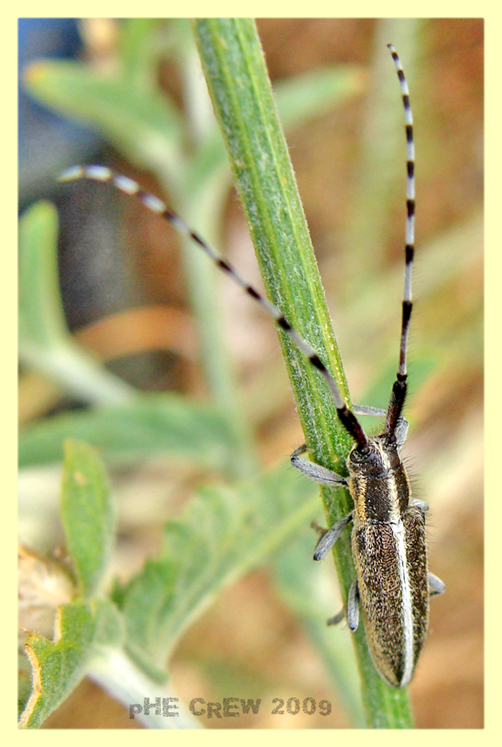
{"x": 436, "y": 586}
{"x": 353, "y": 607}
{"x": 352, "y": 612}
{"x": 336, "y": 619}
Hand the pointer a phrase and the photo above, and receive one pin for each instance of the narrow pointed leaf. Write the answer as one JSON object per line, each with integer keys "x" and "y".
{"x": 152, "y": 424}
{"x": 142, "y": 124}
{"x": 303, "y": 97}
{"x": 45, "y": 342}
{"x": 87, "y": 514}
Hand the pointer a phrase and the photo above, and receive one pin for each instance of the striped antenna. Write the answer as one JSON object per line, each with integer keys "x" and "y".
{"x": 346, "y": 416}
{"x": 132, "y": 188}
{"x": 400, "y": 385}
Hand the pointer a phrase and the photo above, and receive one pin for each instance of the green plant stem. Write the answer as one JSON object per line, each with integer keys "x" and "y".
{"x": 238, "y": 83}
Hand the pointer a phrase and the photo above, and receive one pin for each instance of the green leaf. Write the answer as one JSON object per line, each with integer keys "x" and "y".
{"x": 44, "y": 340}
{"x": 141, "y": 123}
{"x": 311, "y": 94}
{"x": 152, "y": 424}
{"x": 223, "y": 533}
{"x": 87, "y": 513}
{"x": 58, "y": 666}
{"x": 41, "y": 316}
{"x": 140, "y": 49}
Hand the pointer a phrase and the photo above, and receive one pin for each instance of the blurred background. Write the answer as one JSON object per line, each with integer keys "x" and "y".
{"x": 124, "y": 293}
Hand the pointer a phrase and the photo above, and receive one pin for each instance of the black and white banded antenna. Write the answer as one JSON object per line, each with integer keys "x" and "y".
{"x": 347, "y": 418}
{"x": 399, "y": 388}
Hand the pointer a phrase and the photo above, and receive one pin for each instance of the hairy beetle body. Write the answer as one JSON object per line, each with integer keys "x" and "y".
{"x": 389, "y": 549}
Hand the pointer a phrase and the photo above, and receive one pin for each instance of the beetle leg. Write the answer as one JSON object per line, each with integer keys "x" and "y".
{"x": 352, "y": 613}
{"x": 401, "y": 427}
{"x": 436, "y": 586}
{"x": 329, "y": 537}
{"x": 317, "y": 473}
{"x": 353, "y": 607}
{"x": 367, "y": 410}
{"x": 337, "y": 618}
{"x": 420, "y": 504}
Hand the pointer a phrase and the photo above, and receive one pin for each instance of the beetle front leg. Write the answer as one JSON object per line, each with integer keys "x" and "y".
{"x": 422, "y": 505}
{"x": 401, "y": 426}
{"x": 319, "y": 474}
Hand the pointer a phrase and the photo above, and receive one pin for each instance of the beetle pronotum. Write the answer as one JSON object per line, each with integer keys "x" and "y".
{"x": 392, "y": 582}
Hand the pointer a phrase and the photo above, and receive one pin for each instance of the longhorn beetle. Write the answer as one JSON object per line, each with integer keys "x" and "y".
{"x": 388, "y": 536}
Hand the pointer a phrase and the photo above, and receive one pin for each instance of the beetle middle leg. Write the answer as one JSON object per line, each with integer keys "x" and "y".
{"x": 329, "y": 536}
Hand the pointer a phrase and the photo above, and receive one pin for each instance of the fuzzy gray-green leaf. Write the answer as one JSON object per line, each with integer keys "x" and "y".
{"x": 223, "y": 533}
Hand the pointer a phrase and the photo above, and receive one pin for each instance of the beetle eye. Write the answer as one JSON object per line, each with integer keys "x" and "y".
{"x": 360, "y": 455}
